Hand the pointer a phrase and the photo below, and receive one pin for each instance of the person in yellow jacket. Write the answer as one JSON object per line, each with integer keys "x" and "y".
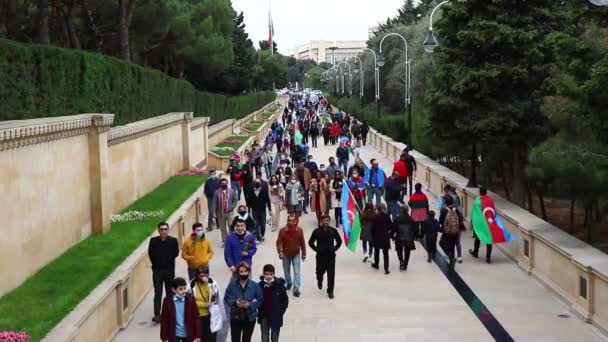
{"x": 197, "y": 250}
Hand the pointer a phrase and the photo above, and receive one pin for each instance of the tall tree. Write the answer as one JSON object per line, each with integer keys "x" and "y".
{"x": 125, "y": 13}
{"x": 43, "y": 22}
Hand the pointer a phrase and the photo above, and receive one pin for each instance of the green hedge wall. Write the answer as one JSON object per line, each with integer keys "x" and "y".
{"x": 41, "y": 81}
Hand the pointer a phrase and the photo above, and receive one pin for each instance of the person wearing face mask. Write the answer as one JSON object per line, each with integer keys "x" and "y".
{"x": 244, "y": 298}
{"x": 197, "y": 250}
{"x": 332, "y": 168}
{"x": 381, "y": 225}
{"x": 293, "y": 196}
{"x": 305, "y": 178}
{"x": 274, "y": 306}
{"x": 318, "y": 194}
{"x": 356, "y": 184}
{"x": 374, "y": 181}
{"x": 179, "y": 320}
{"x": 211, "y": 310}
{"x": 212, "y": 184}
{"x": 311, "y": 165}
{"x": 162, "y": 251}
{"x": 325, "y": 241}
{"x": 284, "y": 172}
{"x": 240, "y": 247}
{"x": 277, "y": 196}
{"x": 259, "y": 201}
{"x": 335, "y": 188}
{"x": 291, "y": 247}
{"x": 358, "y": 166}
{"x": 243, "y": 215}
{"x": 225, "y": 201}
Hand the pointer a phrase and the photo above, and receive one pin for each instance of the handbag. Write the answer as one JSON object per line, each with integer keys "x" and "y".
{"x": 238, "y": 314}
{"x": 215, "y": 314}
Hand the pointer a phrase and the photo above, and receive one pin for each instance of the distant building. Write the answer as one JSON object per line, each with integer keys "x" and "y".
{"x": 321, "y": 50}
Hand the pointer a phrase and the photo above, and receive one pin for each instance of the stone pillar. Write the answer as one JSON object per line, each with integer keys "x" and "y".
{"x": 99, "y": 173}
{"x": 206, "y": 139}
{"x": 186, "y": 124}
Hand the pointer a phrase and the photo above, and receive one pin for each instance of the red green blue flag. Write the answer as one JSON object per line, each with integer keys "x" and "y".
{"x": 298, "y": 135}
{"x": 488, "y": 226}
{"x": 350, "y": 218}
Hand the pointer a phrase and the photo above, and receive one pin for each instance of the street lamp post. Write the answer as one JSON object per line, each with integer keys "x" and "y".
{"x": 430, "y": 43}
{"x": 408, "y": 98}
{"x": 376, "y": 75}
{"x": 356, "y": 71}
{"x": 350, "y": 88}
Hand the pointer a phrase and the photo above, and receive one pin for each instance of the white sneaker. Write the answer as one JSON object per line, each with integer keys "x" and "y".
{"x": 460, "y": 260}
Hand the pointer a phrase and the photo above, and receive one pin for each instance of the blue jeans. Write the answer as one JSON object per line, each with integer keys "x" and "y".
{"x": 343, "y": 163}
{"x": 236, "y": 185}
{"x": 458, "y": 248}
{"x": 209, "y": 211}
{"x": 260, "y": 223}
{"x": 374, "y": 192}
{"x": 306, "y": 201}
{"x": 287, "y": 263}
{"x": 393, "y": 209}
{"x": 269, "y": 334}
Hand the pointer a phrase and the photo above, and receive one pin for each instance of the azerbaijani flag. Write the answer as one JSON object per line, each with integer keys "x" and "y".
{"x": 350, "y": 218}
{"x": 298, "y": 135}
{"x": 488, "y": 226}
{"x": 270, "y": 32}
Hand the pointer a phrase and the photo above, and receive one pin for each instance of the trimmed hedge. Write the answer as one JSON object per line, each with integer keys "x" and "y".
{"x": 43, "y": 81}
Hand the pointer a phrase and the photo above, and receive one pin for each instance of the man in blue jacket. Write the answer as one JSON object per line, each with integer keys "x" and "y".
{"x": 374, "y": 181}
{"x": 240, "y": 247}
{"x": 211, "y": 186}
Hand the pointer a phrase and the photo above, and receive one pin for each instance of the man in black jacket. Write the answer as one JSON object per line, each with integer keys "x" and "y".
{"x": 259, "y": 200}
{"x": 162, "y": 251}
{"x": 325, "y": 241}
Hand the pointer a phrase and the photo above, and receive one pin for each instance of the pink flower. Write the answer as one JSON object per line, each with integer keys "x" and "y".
{"x": 12, "y": 336}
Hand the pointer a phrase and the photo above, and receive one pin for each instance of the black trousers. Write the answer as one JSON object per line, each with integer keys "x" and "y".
{"x": 364, "y": 138}
{"x": 314, "y": 140}
{"x": 377, "y": 256}
{"x": 338, "y": 215}
{"x": 208, "y": 336}
{"x": 477, "y": 244}
{"x": 431, "y": 246}
{"x": 410, "y": 180}
{"x": 241, "y": 331}
{"x": 161, "y": 277}
{"x": 325, "y": 140}
{"x": 326, "y": 263}
{"x": 403, "y": 254}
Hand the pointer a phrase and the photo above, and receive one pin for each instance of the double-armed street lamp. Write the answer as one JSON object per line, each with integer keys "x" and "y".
{"x": 347, "y": 73}
{"x": 376, "y": 74}
{"x": 356, "y": 71}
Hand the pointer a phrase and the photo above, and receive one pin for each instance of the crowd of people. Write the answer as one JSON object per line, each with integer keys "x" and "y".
{"x": 281, "y": 175}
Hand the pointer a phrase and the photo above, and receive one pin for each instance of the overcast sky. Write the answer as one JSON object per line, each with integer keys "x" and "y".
{"x": 296, "y": 22}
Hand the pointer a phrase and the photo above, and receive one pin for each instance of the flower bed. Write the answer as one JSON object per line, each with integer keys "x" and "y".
{"x": 253, "y": 126}
{"x": 265, "y": 116}
{"x": 11, "y": 336}
{"x": 44, "y": 299}
{"x": 229, "y": 145}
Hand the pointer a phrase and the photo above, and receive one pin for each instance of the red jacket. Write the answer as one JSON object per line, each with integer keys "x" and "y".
{"x": 400, "y": 168}
{"x": 167, "y": 320}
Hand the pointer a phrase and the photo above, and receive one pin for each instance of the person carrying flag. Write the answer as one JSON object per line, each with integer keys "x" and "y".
{"x": 487, "y": 225}
{"x": 325, "y": 241}
{"x": 356, "y": 185}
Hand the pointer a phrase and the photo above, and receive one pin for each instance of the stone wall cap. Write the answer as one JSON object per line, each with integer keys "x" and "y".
{"x": 11, "y": 129}
{"x": 147, "y": 124}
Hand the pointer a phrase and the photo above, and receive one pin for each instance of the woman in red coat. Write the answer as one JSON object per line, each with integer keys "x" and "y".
{"x": 400, "y": 168}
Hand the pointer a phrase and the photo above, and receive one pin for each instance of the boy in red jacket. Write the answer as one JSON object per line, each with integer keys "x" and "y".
{"x": 179, "y": 320}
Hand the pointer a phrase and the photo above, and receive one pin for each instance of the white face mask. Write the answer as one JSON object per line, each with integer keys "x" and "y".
{"x": 293, "y": 181}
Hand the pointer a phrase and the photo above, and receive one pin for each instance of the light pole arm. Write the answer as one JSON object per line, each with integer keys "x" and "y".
{"x": 394, "y": 34}
{"x": 433, "y": 12}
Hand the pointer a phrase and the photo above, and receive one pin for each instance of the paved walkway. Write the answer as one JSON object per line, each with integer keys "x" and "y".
{"x": 417, "y": 305}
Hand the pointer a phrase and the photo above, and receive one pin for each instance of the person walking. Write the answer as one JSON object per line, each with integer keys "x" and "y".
{"x": 381, "y": 225}
{"x": 244, "y": 298}
{"x": 419, "y": 204}
{"x": 374, "y": 182}
{"x": 366, "y": 231}
{"x": 403, "y": 234}
{"x": 483, "y": 194}
{"x": 240, "y": 247}
{"x": 304, "y": 177}
{"x": 243, "y": 214}
{"x": 392, "y": 194}
{"x": 335, "y": 187}
{"x": 318, "y": 193}
{"x": 400, "y": 168}
{"x": 259, "y": 201}
{"x": 325, "y": 241}
{"x": 277, "y": 202}
{"x": 325, "y": 134}
{"x": 206, "y": 294}
{"x": 162, "y": 251}
{"x": 332, "y": 167}
{"x": 294, "y": 196}
{"x": 236, "y": 176}
{"x": 291, "y": 248}
{"x": 356, "y": 184}
{"x": 274, "y": 305}
{"x": 410, "y": 163}
{"x": 364, "y": 131}
{"x": 449, "y": 191}
{"x": 212, "y": 184}
{"x": 342, "y": 155}
{"x": 197, "y": 250}
{"x": 179, "y": 320}
{"x": 314, "y": 133}
{"x": 452, "y": 225}
{"x": 225, "y": 201}
{"x": 431, "y": 231}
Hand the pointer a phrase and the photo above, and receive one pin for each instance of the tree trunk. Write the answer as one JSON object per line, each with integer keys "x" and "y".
{"x": 74, "y": 41}
{"x": 7, "y": 10}
{"x": 519, "y": 192}
{"x": 123, "y": 30}
{"x": 43, "y": 22}
{"x": 96, "y": 36}
{"x": 541, "y": 200}
{"x": 573, "y": 200}
{"x": 530, "y": 198}
{"x": 588, "y": 224}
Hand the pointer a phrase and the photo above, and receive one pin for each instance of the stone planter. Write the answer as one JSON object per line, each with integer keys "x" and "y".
{"x": 220, "y": 162}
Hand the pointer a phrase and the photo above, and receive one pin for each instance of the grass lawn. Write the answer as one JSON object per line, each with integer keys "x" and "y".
{"x": 233, "y": 141}
{"x": 253, "y": 126}
{"x": 265, "y": 116}
{"x": 51, "y": 293}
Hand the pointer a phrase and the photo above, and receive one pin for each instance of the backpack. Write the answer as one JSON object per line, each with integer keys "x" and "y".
{"x": 452, "y": 222}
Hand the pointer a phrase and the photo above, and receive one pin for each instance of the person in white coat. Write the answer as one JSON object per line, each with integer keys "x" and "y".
{"x": 213, "y": 316}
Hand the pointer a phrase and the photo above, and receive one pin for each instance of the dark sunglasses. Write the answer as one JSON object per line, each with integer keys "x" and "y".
{"x": 164, "y": 229}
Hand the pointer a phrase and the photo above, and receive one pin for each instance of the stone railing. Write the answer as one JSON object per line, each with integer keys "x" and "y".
{"x": 110, "y": 306}
{"x": 573, "y": 269}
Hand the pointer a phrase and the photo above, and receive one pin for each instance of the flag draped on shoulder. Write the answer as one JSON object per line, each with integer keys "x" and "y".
{"x": 350, "y": 218}
{"x": 298, "y": 135}
{"x": 488, "y": 226}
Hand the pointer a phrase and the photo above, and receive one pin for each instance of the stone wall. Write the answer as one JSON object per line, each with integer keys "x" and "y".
{"x": 571, "y": 268}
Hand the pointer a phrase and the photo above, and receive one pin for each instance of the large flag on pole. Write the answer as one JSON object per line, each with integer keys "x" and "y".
{"x": 298, "y": 135}
{"x": 350, "y": 218}
{"x": 270, "y": 32}
{"x": 488, "y": 226}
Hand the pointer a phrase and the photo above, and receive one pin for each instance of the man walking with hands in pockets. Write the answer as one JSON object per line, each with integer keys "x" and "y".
{"x": 325, "y": 240}
{"x": 291, "y": 247}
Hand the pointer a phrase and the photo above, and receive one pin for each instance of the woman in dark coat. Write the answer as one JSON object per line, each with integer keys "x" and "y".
{"x": 403, "y": 234}
{"x": 381, "y": 225}
{"x": 366, "y": 231}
